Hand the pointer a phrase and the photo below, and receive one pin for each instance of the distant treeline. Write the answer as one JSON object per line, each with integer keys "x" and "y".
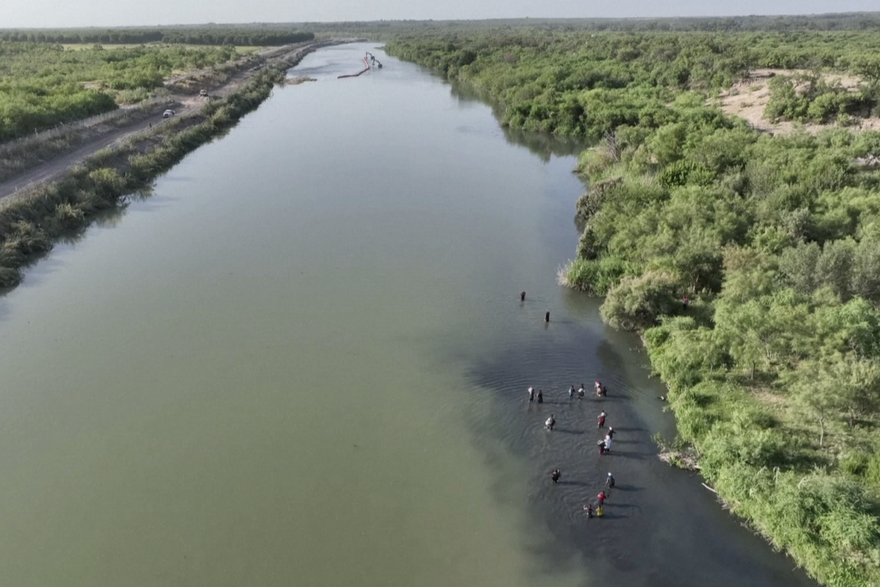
{"x": 853, "y": 21}
{"x": 184, "y": 36}
{"x": 262, "y": 34}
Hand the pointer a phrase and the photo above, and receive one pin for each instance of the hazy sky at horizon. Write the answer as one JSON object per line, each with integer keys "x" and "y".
{"x": 103, "y": 13}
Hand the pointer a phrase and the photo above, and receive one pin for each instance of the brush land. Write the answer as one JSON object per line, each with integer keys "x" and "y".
{"x": 773, "y": 363}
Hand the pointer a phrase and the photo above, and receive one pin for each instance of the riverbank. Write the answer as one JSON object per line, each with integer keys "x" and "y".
{"x": 749, "y": 262}
{"x": 32, "y": 219}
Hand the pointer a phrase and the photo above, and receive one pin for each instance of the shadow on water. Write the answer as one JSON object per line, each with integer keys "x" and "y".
{"x": 43, "y": 264}
{"x": 659, "y": 528}
{"x": 544, "y": 145}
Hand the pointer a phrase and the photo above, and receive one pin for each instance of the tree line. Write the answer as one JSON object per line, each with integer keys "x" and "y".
{"x": 186, "y": 36}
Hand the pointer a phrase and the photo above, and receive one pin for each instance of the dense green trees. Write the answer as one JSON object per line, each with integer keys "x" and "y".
{"x": 773, "y": 368}
{"x": 42, "y": 85}
{"x": 808, "y": 98}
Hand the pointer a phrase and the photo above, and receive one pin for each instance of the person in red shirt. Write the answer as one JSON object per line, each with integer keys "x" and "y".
{"x": 601, "y": 498}
{"x": 601, "y": 419}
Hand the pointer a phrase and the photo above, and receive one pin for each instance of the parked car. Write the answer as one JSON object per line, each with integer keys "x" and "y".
{"x": 168, "y": 113}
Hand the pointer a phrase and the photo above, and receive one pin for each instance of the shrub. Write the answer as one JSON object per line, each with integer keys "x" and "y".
{"x": 637, "y": 302}
{"x": 594, "y": 276}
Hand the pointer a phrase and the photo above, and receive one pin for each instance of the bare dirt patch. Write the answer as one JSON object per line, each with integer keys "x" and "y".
{"x": 748, "y": 98}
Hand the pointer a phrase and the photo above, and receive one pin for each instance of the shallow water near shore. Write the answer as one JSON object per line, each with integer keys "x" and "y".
{"x": 303, "y": 361}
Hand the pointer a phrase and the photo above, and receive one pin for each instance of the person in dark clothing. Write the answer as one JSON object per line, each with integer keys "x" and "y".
{"x": 589, "y": 509}
{"x": 601, "y": 444}
{"x": 540, "y": 397}
{"x": 531, "y": 394}
{"x": 571, "y": 392}
{"x": 609, "y": 480}
{"x": 522, "y": 296}
{"x": 685, "y": 302}
{"x": 610, "y": 432}
{"x": 547, "y": 316}
{"x": 555, "y": 475}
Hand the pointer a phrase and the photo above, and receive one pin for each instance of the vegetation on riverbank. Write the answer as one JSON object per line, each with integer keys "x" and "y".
{"x": 43, "y": 85}
{"x": 30, "y": 223}
{"x": 773, "y": 366}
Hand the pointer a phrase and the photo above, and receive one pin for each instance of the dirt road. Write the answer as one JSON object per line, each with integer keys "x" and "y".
{"x": 56, "y": 168}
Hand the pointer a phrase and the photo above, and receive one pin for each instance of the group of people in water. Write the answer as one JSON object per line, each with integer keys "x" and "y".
{"x": 601, "y": 391}
{"x": 604, "y": 445}
{"x": 591, "y": 510}
{"x": 600, "y": 499}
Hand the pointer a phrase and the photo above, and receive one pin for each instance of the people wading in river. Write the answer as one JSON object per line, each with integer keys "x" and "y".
{"x": 581, "y": 391}
{"x": 610, "y": 433}
{"x": 550, "y": 423}
{"x": 522, "y": 296}
{"x": 555, "y": 475}
{"x": 571, "y": 392}
{"x": 531, "y": 394}
{"x": 607, "y": 444}
{"x": 540, "y": 396}
{"x": 589, "y": 509}
{"x": 601, "y": 419}
{"x": 609, "y": 481}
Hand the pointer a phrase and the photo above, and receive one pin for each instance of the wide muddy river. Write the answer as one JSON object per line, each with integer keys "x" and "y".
{"x": 303, "y": 361}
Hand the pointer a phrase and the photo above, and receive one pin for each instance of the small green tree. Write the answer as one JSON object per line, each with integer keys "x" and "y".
{"x": 637, "y": 302}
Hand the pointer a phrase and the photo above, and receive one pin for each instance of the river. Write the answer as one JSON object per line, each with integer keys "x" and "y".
{"x": 303, "y": 361}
